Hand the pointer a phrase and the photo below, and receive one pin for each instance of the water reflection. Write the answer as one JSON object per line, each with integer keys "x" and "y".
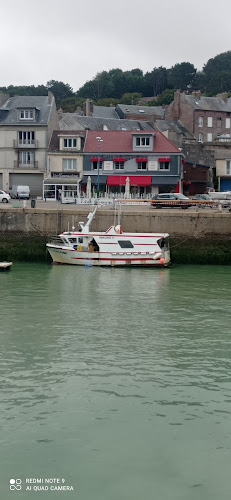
{"x": 130, "y": 353}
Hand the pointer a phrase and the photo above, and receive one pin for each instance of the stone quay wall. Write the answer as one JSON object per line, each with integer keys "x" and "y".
{"x": 178, "y": 223}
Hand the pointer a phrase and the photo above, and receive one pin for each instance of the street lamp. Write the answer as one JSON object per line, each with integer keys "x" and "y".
{"x": 99, "y": 141}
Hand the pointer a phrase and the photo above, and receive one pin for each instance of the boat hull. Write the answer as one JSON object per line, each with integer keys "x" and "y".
{"x": 79, "y": 258}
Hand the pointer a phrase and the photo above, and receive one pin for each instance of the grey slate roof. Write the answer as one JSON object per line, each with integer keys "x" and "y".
{"x": 174, "y": 126}
{"x": 209, "y": 103}
{"x": 140, "y": 110}
{"x": 104, "y": 112}
{"x": 73, "y": 121}
{"x": 9, "y": 111}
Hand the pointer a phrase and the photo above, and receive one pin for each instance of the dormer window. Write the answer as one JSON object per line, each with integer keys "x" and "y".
{"x": 142, "y": 141}
{"x": 26, "y": 114}
{"x": 70, "y": 143}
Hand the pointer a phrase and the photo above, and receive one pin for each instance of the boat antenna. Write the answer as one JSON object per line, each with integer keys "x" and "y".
{"x": 115, "y": 215}
{"x": 119, "y": 214}
{"x": 73, "y": 227}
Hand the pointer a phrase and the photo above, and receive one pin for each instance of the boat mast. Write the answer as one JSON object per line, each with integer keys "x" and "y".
{"x": 85, "y": 227}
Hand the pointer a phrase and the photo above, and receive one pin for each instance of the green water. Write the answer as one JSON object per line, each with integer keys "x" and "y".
{"x": 116, "y": 381}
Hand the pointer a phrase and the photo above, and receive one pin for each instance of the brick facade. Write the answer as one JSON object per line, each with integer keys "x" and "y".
{"x": 186, "y": 111}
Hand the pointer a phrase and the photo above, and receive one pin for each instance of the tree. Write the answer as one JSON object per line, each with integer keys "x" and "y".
{"x": 107, "y": 101}
{"x": 217, "y": 74}
{"x": 112, "y": 84}
{"x": 70, "y": 104}
{"x": 165, "y": 97}
{"x": 158, "y": 80}
{"x": 131, "y": 98}
{"x": 60, "y": 90}
{"x": 182, "y": 76}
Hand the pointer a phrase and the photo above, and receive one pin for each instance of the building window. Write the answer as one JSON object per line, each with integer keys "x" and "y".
{"x": 69, "y": 164}
{"x": 228, "y": 167}
{"x": 95, "y": 165}
{"x": 200, "y": 121}
{"x": 210, "y": 121}
{"x": 69, "y": 143}
{"x": 119, "y": 165}
{"x": 164, "y": 165}
{"x": 142, "y": 141}
{"x": 200, "y": 137}
{"x": 209, "y": 137}
{"x": 218, "y": 122}
{"x": 26, "y": 158}
{"x": 142, "y": 165}
{"x": 227, "y": 123}
{"x": 26, "y": 114}
{"x": 26, "y": 138}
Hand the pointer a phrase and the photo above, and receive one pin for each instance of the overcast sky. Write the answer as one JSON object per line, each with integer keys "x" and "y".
{"x": 71, "y": 41}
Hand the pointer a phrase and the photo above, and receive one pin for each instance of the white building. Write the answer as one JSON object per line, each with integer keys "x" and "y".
{"x": 26, "y": 125}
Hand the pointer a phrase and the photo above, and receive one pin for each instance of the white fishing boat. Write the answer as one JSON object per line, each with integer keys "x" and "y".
{"x": 110, "y": 248}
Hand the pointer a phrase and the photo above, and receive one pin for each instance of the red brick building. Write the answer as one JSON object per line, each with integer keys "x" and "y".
{"x": 205, "y": 117}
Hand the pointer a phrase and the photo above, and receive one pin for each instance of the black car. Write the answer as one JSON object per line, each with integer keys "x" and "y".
{"x": 171, "y": 200}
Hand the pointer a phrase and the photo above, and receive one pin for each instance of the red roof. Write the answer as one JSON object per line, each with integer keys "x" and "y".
{"x": 121, "y": 141}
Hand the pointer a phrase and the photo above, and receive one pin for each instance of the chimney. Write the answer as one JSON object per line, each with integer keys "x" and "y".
{"x": 197, "y": 94}
{"x": 176, "y": 105}
{"x": 223, "y": 96}
{"x": 3, "y": 98}
{"x": 88, "y": 108}
{"x": 50, "y": 97}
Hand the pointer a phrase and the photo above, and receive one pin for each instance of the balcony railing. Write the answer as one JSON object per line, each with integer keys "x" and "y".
{"x": 25, "y": 143}
{"x": 28, "y": 164}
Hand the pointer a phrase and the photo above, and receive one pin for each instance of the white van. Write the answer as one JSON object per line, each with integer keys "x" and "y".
{"x": 20, "y": 192}
{"x": 223, "y": 197}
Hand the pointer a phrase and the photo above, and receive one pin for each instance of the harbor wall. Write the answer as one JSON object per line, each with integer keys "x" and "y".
{"x": 177, "y": 223}
{"x": 195, "y": 237}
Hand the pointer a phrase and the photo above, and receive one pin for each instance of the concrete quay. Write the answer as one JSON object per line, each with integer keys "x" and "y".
{"x": 47, "y": 219}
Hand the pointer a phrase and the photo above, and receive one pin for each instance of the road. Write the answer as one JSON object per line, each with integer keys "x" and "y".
{"x": 139, "y": 206}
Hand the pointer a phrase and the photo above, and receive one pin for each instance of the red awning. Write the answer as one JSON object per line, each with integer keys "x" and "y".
{"x": 141, "y": 159}
{"x": 96, "y": 158}
{"x": 135, "y": 180}
{"x": 119, "y": 159}
{"x": 163, "y": 159}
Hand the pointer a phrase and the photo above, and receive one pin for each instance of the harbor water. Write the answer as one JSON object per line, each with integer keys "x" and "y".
{"x": 115, "y": 383}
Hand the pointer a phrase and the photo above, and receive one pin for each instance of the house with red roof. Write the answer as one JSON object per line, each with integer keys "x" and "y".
{"x": 152, "y": 163}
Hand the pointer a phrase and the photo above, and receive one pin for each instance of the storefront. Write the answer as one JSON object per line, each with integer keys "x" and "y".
{"x": 56, "y": 188}
{"x": 165, "y": 184}
{"x": 94, "y": 183}
{"x": 140, "y": 185}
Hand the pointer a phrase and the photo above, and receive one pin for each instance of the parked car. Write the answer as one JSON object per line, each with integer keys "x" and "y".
{"x": 4, "y": 197}
{"x": 171, "y": 200}
{"x": 203, "y": 200}
{"x": 204, "y": 196}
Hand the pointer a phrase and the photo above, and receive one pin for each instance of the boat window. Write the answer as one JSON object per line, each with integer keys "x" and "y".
{"x": 72, "y": 240}
{"x": 125, "y": 244}
{"x": 163, "y": 243}
{"x": 80, "y": 240}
